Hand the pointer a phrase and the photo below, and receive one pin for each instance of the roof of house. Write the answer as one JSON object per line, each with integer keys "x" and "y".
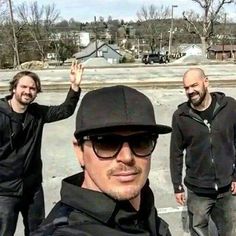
{"x": 91, "y": 48}
{"x": 219, "y": 48}
{"x": 183, "y": 47}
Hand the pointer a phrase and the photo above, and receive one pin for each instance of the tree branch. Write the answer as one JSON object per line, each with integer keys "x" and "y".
{"x": 191, "y": 23}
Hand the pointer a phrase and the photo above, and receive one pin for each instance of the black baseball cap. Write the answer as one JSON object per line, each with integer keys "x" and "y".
{"x": 116, "y": 107}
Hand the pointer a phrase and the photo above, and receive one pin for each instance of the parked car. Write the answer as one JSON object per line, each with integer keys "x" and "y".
{"x": 155, "y": 58}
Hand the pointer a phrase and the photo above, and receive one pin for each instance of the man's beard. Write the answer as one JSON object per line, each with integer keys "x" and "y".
{"x": 22, "y": 101}
{"x": 125, "y": 193}
{"x": 120, "y": 195}
{"x": 202, "y": 97}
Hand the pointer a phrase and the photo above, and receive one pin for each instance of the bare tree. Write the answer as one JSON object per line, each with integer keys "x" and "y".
{"x": 3, "y": 10}
{"x": 6, "y": 38}
{"x": 148, "y": 17}
{"x": 6, "y": 45}
{"x": 39, "y": 21}
{"x": 203, "y": 24}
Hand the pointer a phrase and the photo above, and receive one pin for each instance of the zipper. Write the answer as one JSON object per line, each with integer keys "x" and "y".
{"x": 212, "y": 159}
{"x": 208, "y": 125}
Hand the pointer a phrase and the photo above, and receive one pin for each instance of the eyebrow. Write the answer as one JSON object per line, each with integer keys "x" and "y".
{"x": 24, "y": 85}
{"x": 191, "y": 85}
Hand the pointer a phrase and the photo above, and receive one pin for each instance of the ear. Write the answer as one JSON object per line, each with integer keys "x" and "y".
{"x": 206, "y": 81}
{"x": 78, "y": 152}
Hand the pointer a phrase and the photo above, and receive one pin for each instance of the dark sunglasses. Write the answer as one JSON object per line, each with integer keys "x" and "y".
{"x": 108, "y": 146}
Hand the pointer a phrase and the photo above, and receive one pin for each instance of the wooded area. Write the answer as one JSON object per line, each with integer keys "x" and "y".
{"x": 30, "y": 31}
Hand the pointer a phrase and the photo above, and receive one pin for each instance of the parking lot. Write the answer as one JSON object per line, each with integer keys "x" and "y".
{"x": 59, "y": 160}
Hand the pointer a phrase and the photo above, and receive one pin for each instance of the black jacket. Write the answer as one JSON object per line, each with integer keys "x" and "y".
{"x": 209, "y": 149}
{"x": 20, "y": 143}
{"x": 83, "y": 212}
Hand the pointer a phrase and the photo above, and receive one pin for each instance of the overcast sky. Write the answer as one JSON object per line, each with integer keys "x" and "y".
{"x": 119, "y": 9}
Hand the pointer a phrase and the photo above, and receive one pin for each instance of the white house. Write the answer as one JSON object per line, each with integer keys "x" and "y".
{"x": 189, "y": 49}
{"x": 108, "y": 51}
{"x": 84, "y": 38}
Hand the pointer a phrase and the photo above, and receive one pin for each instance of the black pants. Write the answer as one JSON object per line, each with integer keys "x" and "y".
{"x": 31, "y": 206}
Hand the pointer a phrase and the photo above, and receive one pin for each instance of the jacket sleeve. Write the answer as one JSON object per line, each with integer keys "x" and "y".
{"x": 176, "y": 156}
{"x": 162, "y": 227}
{"x": 62, "y": 111}
{"x": 234, "y": 174}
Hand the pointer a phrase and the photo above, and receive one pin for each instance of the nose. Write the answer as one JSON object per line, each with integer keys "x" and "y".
{"x": 189, "y": 90}
{"x": 27, "y": 90}
{"x": 125, "y": 155}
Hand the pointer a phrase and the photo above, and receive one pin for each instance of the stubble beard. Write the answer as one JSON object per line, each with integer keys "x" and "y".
{"x": 21, "y": 101}
{"x": 127, "y": 191}
{"x": 130, "y": 192}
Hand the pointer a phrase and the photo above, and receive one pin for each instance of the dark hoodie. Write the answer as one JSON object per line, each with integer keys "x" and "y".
{"x": 83, "y": 212}
{"x": 20, "y": 143}
{"x": 209, "y": 149}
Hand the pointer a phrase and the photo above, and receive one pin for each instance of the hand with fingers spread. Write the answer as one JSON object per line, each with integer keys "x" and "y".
{"x": 76, "y": 73}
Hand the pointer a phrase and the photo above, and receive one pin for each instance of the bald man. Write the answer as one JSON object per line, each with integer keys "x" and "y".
{"x": 204, "y": 138}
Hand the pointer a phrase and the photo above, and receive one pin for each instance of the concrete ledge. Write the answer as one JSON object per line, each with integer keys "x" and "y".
{"x": 63, "y": 86}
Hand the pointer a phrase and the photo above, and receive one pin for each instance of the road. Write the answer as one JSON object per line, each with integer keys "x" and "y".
{"x": 145, "y": 76}
{"x": 59, "y": 160}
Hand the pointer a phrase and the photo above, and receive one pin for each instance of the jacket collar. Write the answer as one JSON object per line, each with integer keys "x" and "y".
{"x": 96, "y": 203}
{"x": 6, "y": 109}
{"x": 100, "y": 206}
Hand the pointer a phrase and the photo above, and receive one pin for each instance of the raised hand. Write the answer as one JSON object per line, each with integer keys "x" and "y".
{"x": 76, "y": 72}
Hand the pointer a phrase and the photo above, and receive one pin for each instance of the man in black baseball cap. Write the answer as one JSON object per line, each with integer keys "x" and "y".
{"x": 115, "y": 135}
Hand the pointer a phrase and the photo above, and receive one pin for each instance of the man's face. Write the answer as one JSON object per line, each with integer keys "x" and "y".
{"x": 25, "y": 91}
{"x": 121, "y": 177}
{"x": 195, "y": 87}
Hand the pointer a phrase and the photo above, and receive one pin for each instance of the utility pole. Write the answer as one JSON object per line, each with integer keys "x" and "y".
{"x": 96, "y": 36}
{"x": 223, "y": 39}
{"x": 16, "y": 52}
{"x": 138, "y": 49}
{"x": 161, "y": 39}
{"x": 171, "y": 29}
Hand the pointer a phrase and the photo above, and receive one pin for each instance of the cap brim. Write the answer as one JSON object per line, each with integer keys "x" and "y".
{"x": 163, "y": 129}
{"x": 158, "y": 129}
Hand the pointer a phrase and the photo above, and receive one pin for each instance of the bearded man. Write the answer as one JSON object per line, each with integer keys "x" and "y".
{"x": 21, "y": 128}
{"x": 204, "y": 133}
